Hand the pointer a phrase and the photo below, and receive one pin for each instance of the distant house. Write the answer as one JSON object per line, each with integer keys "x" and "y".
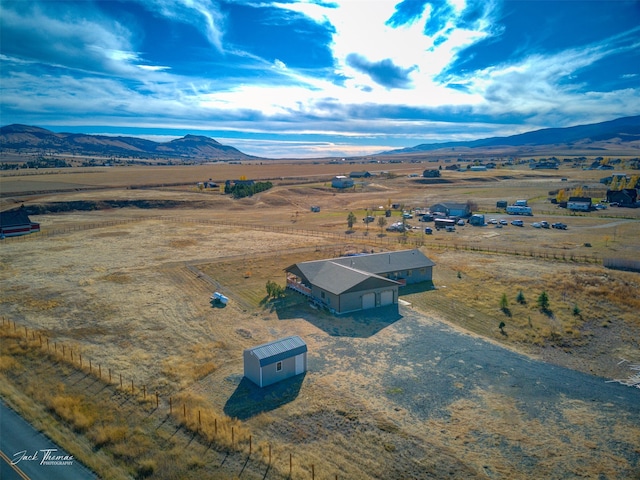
{"x": 453, "y": 209}
{"x": 16, "y": 222}
{"x": 349, "y": 284}
{"x": 359, "y": 175}
{"x": 275, "y": 361}
{"x": 544, "y": 165}
{"x": 341, "y": 181}
{"x": 579, "y": 204}
{"x": 478, "y": 168}
{"x": 431, "y": 173}
{"x": 455, "y": 166}
{"x": 627, "y": 197}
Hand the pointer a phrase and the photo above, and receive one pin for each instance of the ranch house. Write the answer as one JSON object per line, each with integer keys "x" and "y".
{"x": 360, "y": 282}
{"x": 275, "y": 361}
{"x": 452, "y": 209}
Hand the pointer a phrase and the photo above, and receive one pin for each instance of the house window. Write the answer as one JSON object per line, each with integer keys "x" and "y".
{"x": 278, "y": 366}
{"x": 423, "y": 271}
{"x": 409, "y": 273}
{"x": 322, "y": 294}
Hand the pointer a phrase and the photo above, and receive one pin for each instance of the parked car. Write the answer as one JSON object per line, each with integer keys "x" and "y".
{"x": 517, "y": 223}
{"x": 427, "y": 217}
{"x": 503, "y": 222}
{"x": 461, "y": 222}
{"x": 544, "y": 224}
{"x": 559, "y": 226}
{"x": 498, "y": 225}
{"x": 600, "y": 206}
{"x": 428, "y": 230}
{"x": 536, "y": 225}
{"x": 493, "y": 221}
{"x": 406, "y": 215}
{"x": 368, "y": 219}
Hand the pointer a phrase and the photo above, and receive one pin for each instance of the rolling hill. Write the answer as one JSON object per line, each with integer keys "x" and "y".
{"x": 623, "y": 133}
{"x": 24, "y": 139}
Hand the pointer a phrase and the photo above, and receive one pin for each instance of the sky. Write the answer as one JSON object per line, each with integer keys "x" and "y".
{"x": 307, "y": 79}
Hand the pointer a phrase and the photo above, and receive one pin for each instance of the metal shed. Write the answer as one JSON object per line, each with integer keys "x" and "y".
{"x": 275, "y": 361}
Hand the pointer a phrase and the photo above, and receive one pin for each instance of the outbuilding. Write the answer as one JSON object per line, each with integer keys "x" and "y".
{"x": 17, "y": 222}
{"x": 341, "y": 181}
{"x": 275, "y": 361}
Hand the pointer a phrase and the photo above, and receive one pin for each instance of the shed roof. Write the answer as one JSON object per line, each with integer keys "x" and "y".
{"x": 278, "y": 350}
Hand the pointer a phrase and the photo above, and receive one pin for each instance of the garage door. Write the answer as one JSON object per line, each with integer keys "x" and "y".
{"x": 368, "y": 300}
{"x": 386, "y": 297}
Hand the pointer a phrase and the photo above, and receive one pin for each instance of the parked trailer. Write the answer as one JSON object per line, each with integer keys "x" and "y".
{"x": 519, "y": 210}
{"x": 444, "y": 223}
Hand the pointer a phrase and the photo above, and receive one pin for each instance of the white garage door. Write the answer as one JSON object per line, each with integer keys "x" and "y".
{"x": 386, "y": 297}
{"x": 368, "y": 300}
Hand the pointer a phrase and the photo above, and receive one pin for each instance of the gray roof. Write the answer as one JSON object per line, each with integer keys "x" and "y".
{"x": 14, "y": 218}
{"x": 339, "y": 275}
{"x": 335, "y": 278}
{"x": 386, "y": 262}
{"x": 278, "y": 350}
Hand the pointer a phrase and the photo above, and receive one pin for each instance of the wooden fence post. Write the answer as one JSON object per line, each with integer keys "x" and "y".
{"x": 184, "y": 411}
{"x": 144, "y": 392}
{"x": 80, "y": 360}
{"x": 71, "y": 350}
{"x": 120, "y": 380}
{"x": 249, "y": 444}
{"x": 157, "y": 400}
{"x": 170, "y": 406}
{"x": 132, "y": 390}
{"x": 99, "y": 372}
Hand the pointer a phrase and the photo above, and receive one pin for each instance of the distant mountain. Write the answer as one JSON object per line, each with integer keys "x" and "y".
{"x": 24, "y": 139}
{"x": 621, "y": 131}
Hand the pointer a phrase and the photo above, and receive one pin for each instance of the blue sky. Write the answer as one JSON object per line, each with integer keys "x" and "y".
{"x": 318, "y": 78}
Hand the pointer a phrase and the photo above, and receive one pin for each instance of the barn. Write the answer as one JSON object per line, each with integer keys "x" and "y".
{"x": 349, "y": 284}
{"x": 16, "y": 222}
{"x": 275, "y": 361}
{"x": 341, "y": 181}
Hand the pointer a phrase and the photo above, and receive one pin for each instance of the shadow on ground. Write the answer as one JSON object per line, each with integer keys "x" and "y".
{"x": 249, "y": 400}
{"x": 362, "y": 324}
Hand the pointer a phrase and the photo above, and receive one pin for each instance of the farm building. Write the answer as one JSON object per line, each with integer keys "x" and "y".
{"x": 360, "y": 174}
{"x": 452, "y": 209}
{"x": 349, "y": 284}
{"x": 627, "y": 197}
{"x": 581, "y": 204}
{"x": 341, "y": 181}
{"x": 275, "y": 361}
{"x": 16, "y": 222}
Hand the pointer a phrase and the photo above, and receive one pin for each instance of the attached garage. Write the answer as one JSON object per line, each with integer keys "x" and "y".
{"x": 386, "y": 297}
{"x": 368, "y": 300}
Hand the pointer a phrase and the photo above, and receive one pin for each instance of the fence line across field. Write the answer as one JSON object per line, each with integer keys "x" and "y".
{"x": 183, "y": 415}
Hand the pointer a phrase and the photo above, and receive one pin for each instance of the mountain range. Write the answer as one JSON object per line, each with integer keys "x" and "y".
{"x": 24, "y": 139}
{"x": 622, "y": 132}
{"x": 620, "y": 136}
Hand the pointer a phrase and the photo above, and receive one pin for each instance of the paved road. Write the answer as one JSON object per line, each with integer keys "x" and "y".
{"x": 27, "y": 454}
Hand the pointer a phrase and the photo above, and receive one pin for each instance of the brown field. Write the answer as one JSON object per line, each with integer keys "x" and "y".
{"x": 128, "y": 288}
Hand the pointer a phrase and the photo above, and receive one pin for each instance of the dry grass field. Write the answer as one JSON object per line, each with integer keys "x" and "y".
{"x": 440, "y": 392}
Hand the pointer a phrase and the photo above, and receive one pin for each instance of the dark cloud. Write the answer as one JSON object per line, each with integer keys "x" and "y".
{"x": 384, "y": 72}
